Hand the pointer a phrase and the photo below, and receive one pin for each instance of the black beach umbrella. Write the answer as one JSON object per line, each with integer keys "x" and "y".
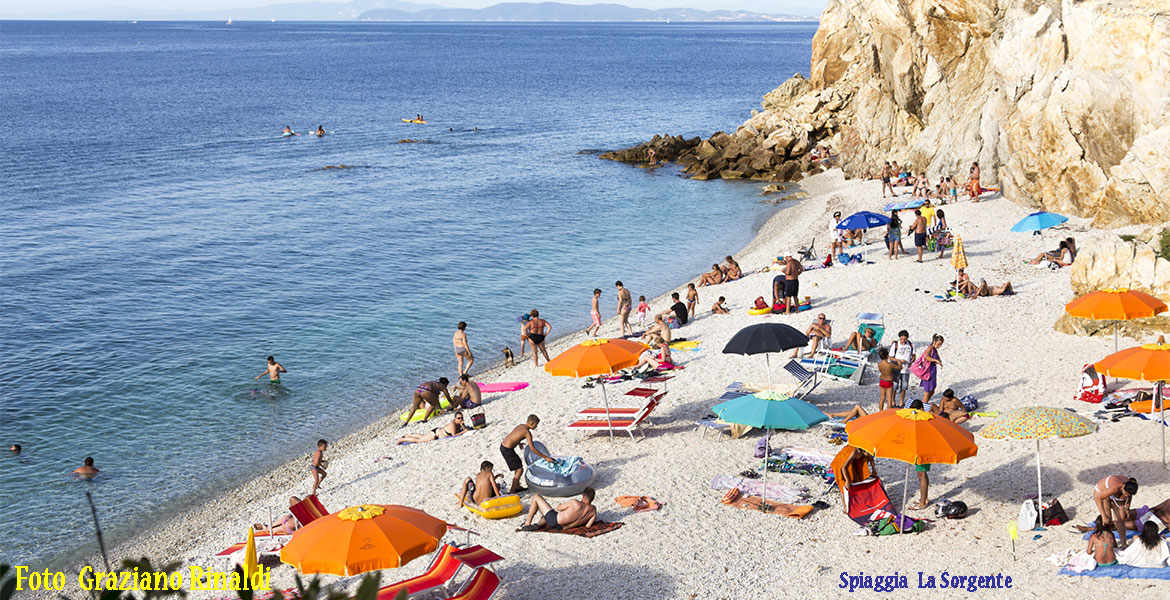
{"x": 765, "y": 338}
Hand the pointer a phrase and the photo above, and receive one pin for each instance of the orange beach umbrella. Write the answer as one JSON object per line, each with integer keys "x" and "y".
{"x": 1148, "y": 362}
{"x": 363, "y": 538}
{"x": 597, "y": 357}
{"x": 915, "y": 437}
{"x": 1115, "y": 304}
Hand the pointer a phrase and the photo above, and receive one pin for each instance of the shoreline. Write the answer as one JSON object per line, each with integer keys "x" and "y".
{"x": 660, "y": 554}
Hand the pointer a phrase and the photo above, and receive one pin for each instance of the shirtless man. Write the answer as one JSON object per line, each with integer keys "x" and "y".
{"x": 482, "y": 487}
{"x": 1112, "y": 496}
{"x": 792, "y": 271}
{"x": 819, "y": 330}
{"x": 950, "y": 407}
{"x": 712, "y": 277}
{"x": 467, "y": 393}
{"x": 733, "y": 271}
{"x": 520, "y": 433}
{"x": 273, "y": 371}
{"x": 87, "y": 470}
{"x": 566, "y": 515}
{"x": 625, "y": 305}
{"x": 973, "y": 182}
{"x": 918, "y": 228}
{"x": 429, "y": 392}
{"x": 595, "y": 313}
{"x": 658, "y": 331}
{"x": 462, "y": 350}
{"x": 537, "y": 329}
{"x": 887, "y": 177}
{"x": 887, "y": 372}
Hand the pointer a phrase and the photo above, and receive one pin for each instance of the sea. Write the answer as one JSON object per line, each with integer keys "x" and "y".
{"x": 159, "y": 237}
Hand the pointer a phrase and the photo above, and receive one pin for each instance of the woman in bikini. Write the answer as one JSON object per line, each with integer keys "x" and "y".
{"x": 1112, "y": 496}
{"x": 452, "y": 429}
{"x": 462, "y": 350}
{"x": 1101, "y": 544}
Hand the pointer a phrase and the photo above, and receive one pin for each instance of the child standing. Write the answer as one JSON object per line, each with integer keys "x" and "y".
{"x": 318, "y": 466}
{"x": 596, "y": 313}
{"x": 692, "y": 299}
{"x": 643, "y": 309}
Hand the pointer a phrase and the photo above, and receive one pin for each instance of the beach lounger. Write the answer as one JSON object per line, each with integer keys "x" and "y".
{"x": 628, "y": 425}
{"x": 806, "y": 380}
{"x": 717, "y": 425}
{"x": 866, "y": 495}
{"x": 599, "y": 412}
{"x": 837, "y": 366}
{"x": 442, "y": 570}
{"x": 308, "y": 510}
{"x": 482, "y": 586}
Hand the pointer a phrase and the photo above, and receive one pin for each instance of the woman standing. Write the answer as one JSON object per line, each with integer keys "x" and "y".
{"x": 894, "y": 236}
{"x": 462, "y": 350}
{"x": 933, "y": 363}
{"x": 940, "y": 231}
{"x": 537, "y": 329}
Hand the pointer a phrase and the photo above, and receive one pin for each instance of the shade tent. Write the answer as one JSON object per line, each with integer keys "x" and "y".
{"x": 766, "y": 338}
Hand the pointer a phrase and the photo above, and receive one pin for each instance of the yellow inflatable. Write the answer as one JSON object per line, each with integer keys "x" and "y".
{"x": 760, "y": 311}
{"x": 422, "y": 410}
{"x": 500, "y": 507}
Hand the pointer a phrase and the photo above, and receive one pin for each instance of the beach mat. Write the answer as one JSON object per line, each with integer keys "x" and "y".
{"x": 598, "y": 528}
{"x": 794, "y": 511}
{"x": 1122, "y": 572}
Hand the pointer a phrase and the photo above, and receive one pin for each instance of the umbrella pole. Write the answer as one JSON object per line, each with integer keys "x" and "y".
{"x": 768, "y": 362}
{"x": 767, "y": 455}
{"x": 1162, "y": 409}
{"x": 1116, "y": 326}
{"x": 608, "y": 418}
{"x": 905, "y": 490}
{"x": 1039, "y": 485}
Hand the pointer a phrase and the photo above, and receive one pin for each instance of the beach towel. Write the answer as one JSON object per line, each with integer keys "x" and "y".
{"x": 752, "y": 487}
{"x": 565, "y": 466}
{"x": 598, "y": 528}
{"x": 1121, "y": 572}
{"x": 638, "y": 503}
{"x": 806, "y": 455}
{"x": 776, "y": 508}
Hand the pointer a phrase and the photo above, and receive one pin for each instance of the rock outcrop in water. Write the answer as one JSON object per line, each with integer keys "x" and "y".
{"x": 1064, "y": 103}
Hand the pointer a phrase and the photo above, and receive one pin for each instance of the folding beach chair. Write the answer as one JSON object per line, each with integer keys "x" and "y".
{"x": 806, "y": 380}
{"x": 482, "y": 586}
{"x": 837, "y": 365}
{"x": 308, "y": 510}
{"x": 865, "y": 495}
{"x": 628, "y": 424}
{"x": 808, "y": 252}
{"x": 442, "y": 570}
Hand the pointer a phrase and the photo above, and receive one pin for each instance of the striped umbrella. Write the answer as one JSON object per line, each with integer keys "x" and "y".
{"x": 1037, "y": 423}
{"x": 1115, "y": 304}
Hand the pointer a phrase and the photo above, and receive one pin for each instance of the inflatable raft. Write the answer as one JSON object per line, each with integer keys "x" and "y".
{"x": 499, "y": 507}
{"x": 545, "y": 481}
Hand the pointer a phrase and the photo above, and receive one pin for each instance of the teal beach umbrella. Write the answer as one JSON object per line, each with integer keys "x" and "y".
{"x": 1038, "y": 221}
{"x": 769, "y": 410}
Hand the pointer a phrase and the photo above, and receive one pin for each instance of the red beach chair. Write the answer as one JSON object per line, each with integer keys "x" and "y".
{"x": 443, "y": 569}
{"x": 627, "y": 424}
{"x": 482, "y": 586}
{"x": 1092, "y": 385}
{"x": 866, "y": 495}
{"x": 308, "y": 510}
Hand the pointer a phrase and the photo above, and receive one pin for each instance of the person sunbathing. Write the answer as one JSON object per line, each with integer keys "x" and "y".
{"x": 715, "y": 276}
{"x": 854, "y": 413}
{"x": 986, "y": 290}
{"x": 949, "y": 407}
{"x": 1062, "y": 256}
{"x": 452, "y": 429}
{"x": 658, "y": 332}
{"x": 732, "y": 270}
{"x": 861, "y": 343}
{"x": 821, "y": 329}
{"x": 566, "y": 515}
{"x": 482, "y": 487}
{"x": 964, "y": 285}
{"x": 855, "y": 466}
{"x": 285, "y": 525}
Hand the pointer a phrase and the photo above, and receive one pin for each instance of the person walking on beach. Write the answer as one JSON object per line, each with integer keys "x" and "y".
{"x": 273, "y": 370}
{"x": 643, "y": 310}
{"x": 538, "y": 330}
{"x": 902, "y": 355}
{"x": 625, "y": 305}
{"x": 566, "y": 515}
{"x": 933, "y": 364}
{"x": 939, "y": 231}
{"x": 973, "y": 182}
{"x": 595, "y": 312}
{"x": 692, "y": 299}
{"x": 86, "y": 470}
{"x": 918, "y": 228}
{"x": 520, "y": 433}
{"x": 462, "y": 350}
{"x": 887, "y": 372}
{"x": 429, "y": 393}
{"x": 792, "y": 271}
{"x": 887, "y": 174}
{"x": 318, "y": 465}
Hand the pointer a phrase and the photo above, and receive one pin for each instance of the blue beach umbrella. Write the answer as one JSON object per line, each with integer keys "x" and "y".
{"x": 863, "y": 220}
{"x": 905, "y": 204}
{"x": 1038, "y": 221}
{"x": 769, "y": 410}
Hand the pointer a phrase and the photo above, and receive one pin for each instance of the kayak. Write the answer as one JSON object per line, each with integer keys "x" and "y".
{"x": 414, "y": 121}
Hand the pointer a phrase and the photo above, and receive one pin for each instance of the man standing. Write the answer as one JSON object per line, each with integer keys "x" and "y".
{"x": 625, "y": 305}
{"x": 973, "y": 183}
{"x": 520, "y": 433}
{"x": 918, "y": 228}
{"x": 887, "y": 173}
{"x": 792, "y": 271}
{"x": 837, "y": 236}
{"x": 567, "y": 515}
{"x": 902, "y": 354}
{"x": 273, "y": 370}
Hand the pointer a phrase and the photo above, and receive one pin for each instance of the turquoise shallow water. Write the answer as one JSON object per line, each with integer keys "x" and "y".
{"x": 159, "y": 237}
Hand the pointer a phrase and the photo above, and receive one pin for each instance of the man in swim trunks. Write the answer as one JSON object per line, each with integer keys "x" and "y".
{"x": 429, "y": 392}
{"x": 625, "y": 305}
{"x": 918, "y": 228}
{"x": 566, "y": 515}
{"x": 820, "y": 330}
{"x": 520, "y": 433}
{"x": 482, "y": 487}
{"x": 537, "y": 330}
{"x": 317, "y": 468}
{"x": 273, "y": 370}
{"x": 658, "y": 332}
{"x": 462, "y": 350}
{"x": 887, "y": 371}
{"x": 1112, "y": 496}
{"x": 87, "y": 470}
{"x": 467, "y": 392}
{"x": 974, "y": 189}
{"x": 887, "y": 174}
{"x": 595, "y": 312}
{"x": 792, "y": 271}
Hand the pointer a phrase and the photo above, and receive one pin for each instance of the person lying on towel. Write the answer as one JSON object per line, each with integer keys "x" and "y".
{"x": 566, "y": 515}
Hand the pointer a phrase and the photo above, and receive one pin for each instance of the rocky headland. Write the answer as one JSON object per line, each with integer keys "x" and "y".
{"x": 1065, "y": 104}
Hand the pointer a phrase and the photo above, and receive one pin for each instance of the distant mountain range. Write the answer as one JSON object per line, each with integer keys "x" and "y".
{"x": 398, "y": 10}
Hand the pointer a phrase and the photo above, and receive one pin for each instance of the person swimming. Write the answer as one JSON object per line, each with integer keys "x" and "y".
{"x": 320, "y": 131}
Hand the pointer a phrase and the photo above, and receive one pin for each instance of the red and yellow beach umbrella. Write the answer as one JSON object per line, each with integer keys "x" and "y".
{"x": 1115, "y": 304}
{"x": 363, "y": 538}
{"x": 1148, "y": 362}
{"x": 597, "y": 357}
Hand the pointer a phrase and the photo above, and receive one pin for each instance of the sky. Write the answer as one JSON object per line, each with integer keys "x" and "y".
{"x": 17, "y": 7}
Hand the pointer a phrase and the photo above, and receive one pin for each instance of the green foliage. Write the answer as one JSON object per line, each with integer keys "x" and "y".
{"x": 1164, "y": 244}
{"x": 1127, "y": 237}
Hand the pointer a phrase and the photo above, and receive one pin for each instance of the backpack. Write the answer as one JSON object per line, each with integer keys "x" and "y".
{"x": 761, "y": 303}
{"x": 969, "y": 403}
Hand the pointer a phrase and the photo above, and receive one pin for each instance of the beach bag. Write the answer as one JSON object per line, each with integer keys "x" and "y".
{"x": 969, "y": 403}
{"x": 731, "y": 496}
{"x": 478, "y": 420}
{"x": 920, "y": 368}
{"x": 761, "y": 447}
{"x": 1028, "y": 516}
{"x": 889, "y": 525}
{"x": 1053, "y": 514}
{"x": 1081, "y": 562}
{"x": 761, "y": 303}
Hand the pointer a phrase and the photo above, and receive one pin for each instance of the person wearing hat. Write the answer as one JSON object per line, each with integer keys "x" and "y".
{"x": 524, "y": 333}
{"x": 837, "y": 236}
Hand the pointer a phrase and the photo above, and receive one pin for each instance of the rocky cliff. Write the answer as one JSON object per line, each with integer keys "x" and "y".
{"x": 1064, "y": 103}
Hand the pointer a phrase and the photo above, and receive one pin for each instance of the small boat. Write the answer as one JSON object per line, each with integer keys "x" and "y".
{"x": 229, "y": 21}
{"x": 419, "y": 121}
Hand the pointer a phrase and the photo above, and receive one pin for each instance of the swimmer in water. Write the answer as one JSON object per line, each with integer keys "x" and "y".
{"x": 320, "y": 131}
{"x": 273, "y": 371}
{"x": 86, "y": 471}
{"x": 15, "y": 448}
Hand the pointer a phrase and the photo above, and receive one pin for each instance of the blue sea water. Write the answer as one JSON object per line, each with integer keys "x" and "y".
{"x": 159, "y": 237}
